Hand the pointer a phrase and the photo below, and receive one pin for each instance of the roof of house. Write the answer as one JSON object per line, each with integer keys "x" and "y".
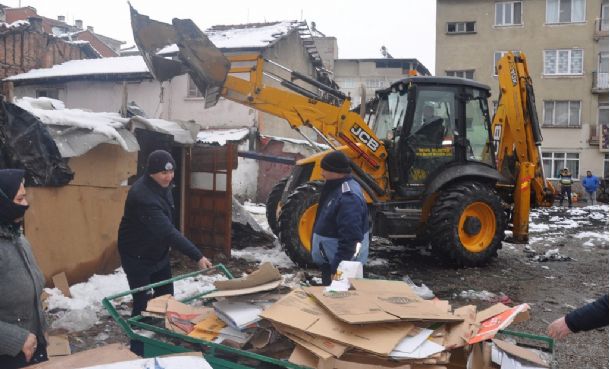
{"x": 104, "y": 67}
{"x": 76, "y": 131}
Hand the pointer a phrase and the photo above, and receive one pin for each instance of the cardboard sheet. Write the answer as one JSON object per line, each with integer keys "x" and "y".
{"x": 266, "y": 278}
{"x": 494, "y": 310}
{"x": 208, "y": 328}
{"x": 61, "y": 281}
{"x": 112, "y": 353}
{"x": 334, "y": 348}
{"x": 458, "y": 334}
{"x": 299, "y": 311}
{"x": 491, "y": 326}
{"x": 381, "y": 305}
{"x": 520, "y": 353}
{"x": 58, "y": 346}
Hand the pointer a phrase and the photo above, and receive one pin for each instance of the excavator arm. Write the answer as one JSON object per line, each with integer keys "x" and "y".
{"x": 517, "y": 136}
{"x": 217, "y": 75}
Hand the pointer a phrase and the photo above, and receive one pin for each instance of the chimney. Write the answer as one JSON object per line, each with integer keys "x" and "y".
{"x": 90, "y": 29}
{"x": 78, "y": 23}
{"x": 35, "y": 23}
{"x": 61, "y": 18}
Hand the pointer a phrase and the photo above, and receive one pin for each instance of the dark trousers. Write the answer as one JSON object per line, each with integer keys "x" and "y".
{"x": 141, "y": 276}
{"x": 11, "y": 362}
{"x": 566, "y": 191}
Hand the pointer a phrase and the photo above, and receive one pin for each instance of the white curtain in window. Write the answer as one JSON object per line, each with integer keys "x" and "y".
{"x": 508, "y": 14}
{"x": 550, "y": 60}
{"x": 563, "y": 61}
{"x": 561, "y": 113}
{"x": 578, "y": 10}
{"x": 574, "y": 113}
{"x": 499, "y": 13}
{"x": 552, "y": 11}
{"x": 548, "y": 112}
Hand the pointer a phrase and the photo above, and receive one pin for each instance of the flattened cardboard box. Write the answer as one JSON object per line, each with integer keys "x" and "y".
{"x": 266, "y": 278}
{"x": 299, "y": 311}
{"x": 520, "y": 352}
{"x": 375, "y": 301}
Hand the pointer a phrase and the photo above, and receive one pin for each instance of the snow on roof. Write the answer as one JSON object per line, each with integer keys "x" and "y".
{"x": 221, "y": 136}
{"x": 296, "y": 142}
{"x": 103, "y": 66}
{"x": 243, "y": 35}
{"x": 77, "y": 131}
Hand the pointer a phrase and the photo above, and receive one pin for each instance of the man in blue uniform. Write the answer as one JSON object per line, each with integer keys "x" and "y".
{"x": 341, "y": 230}
{"x": 147, "y": 232}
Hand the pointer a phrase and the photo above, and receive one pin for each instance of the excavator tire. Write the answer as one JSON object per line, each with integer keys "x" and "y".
{"x": 296, "y": 221}
{"x": 468, "y": 221}
{"x": 273, "y": 202}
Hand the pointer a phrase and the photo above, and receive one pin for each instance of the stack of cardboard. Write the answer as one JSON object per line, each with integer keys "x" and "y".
{"x": 383, "y": 324}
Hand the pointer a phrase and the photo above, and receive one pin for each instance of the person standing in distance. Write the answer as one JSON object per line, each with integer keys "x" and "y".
{"x": 22, "y": 322}
{"x": 147, "y": 232}
{"x": 591, "y": 184}
{"x": 341, "y": 230}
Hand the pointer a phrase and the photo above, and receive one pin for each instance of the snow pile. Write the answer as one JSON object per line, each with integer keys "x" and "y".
{"x": 275, "y": 255}
{"x": 221, "y": 136}
{"x": 81, "y": 311}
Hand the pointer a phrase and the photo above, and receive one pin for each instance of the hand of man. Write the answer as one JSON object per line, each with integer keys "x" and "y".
{"x": 29, "y": 347}
{"x": 558, "y": 329}
{"x": 204, "y": 263}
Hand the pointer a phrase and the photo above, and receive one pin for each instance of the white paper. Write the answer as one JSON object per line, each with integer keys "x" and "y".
{"x": 175, "y": 362}
{"x": 423, "y": 350}
{"x": 237, "y": 314}
{"x": 411, "y": 343}
{"x": 507, "y": 361}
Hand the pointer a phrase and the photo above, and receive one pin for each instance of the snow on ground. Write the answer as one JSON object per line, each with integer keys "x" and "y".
{"x": 83, "y": 309}
{"x": 275, "y": 255}
{"x": 259, "y": 213}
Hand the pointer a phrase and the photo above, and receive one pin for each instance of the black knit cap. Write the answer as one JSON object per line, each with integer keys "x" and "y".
{"x": 336, "y": 162}
{"x": 10, "y": 181}
{"x": 158, "y": 161}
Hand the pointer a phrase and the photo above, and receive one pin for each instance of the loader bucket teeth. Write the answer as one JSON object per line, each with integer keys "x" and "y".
{"x": 197, "y": 55}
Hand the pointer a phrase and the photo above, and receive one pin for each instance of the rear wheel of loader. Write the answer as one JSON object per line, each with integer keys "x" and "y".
{"x": 273, "y": 205}
{"x": 468, "y": 223}
{"x": 296, "y": 221}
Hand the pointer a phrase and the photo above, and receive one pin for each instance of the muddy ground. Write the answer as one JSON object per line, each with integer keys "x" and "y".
{"x": 551, "y": 288}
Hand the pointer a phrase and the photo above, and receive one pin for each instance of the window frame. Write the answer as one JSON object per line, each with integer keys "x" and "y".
{"x": 458, "y": 32}
{"x": 555, "y": 157}
{"x": 553, "y": 123}
{"x": 558, "y": 21}
{"x": 570, "y": 73}
{"x": 502, "y": 53}
{"x": 462, "y": 71}
{"x": 190, "y": 88}
{"x": 512, "y": 3}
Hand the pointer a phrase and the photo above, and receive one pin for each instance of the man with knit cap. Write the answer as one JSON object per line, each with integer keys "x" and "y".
{"x": 147, "y": 232}
{"x": 341, "y": 230}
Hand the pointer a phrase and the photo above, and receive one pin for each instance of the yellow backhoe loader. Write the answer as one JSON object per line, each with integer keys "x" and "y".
{"x": 435, "y": 167}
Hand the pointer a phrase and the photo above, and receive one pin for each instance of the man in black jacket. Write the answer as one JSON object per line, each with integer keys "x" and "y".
{"x": 585, "y": 318}
{"x": 147, "y": 232}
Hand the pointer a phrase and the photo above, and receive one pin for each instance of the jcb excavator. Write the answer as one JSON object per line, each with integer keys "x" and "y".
{"x": 434, "y": 166}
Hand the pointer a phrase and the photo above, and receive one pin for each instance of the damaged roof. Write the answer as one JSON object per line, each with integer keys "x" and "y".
{"x": 76, "y": 131}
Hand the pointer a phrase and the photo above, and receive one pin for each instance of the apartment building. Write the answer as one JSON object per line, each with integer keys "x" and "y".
{"x": 566, "y": 45}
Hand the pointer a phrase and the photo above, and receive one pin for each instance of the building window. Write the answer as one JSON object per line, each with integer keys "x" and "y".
{"x": 508, "y": 13}
{"x": 375, "y": 83}
{"x": 565, "y": 11}
{"x": 555, "y": 161}
{"x": 461, "y": 73}
{"x": 605, "y": 166}
{"x": 498, "y": 55}
{"x": 52, "y": 93}
{"x": 562, "y": 113}
{"x": 604, "y": 18}
{"x": 460, "y": 27}
{"x": 602, "y": 122}
{"x": 192, "y": 90}
{"x": 563, "y": 61}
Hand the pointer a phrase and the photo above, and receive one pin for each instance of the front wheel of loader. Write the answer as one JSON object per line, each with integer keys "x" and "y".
{"x": 296, "y": 221}
{"x": 273, "y": 205}
{"x": 468, "y": 223}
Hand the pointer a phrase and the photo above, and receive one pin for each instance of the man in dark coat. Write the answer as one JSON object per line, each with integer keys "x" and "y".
{"x": 147, "y": 232}
{"x": 341, "y": 230}
{"x": 585, "y": 318}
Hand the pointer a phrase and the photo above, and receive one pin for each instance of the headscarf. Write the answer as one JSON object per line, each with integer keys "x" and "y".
{"x": 10, "y": 181}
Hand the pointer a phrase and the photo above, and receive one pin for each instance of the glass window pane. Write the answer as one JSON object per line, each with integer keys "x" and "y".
{"x": 578, "y": 10}
{"x": 572, "y": 155}
{"x": 572, "y": 165}
{"x": 517, "y": 13}
{"x": 550, "y": 61}
{"x": 558, "y": 164}
{"x": 602, "y": 115}
{"x": 470, "y": 27}
{"x": 547, "y": 167}
{"x": 548, "y": 112}
{"x": 561, "y": 113}
{"x": 469, "y": 74}
{"x": 499, "y": 16}
{"x": 552, "y": 10}
{"x": 574, "y": 113}
{"x": 576, "y": 62}
{"x": 450, "y": 27}
{"x": 565, "y": 10}
{"x": 563, "y": 61}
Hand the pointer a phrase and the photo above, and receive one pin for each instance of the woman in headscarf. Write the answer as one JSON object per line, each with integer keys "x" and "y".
{"x": 22, "y": 323}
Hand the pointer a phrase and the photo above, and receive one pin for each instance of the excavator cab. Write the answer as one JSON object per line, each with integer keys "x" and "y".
{"x": 430, "y": 123}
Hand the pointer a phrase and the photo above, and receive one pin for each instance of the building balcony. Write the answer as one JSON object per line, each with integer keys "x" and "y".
{"x": 601, "y": 28}
{"x": 600, "y": 83}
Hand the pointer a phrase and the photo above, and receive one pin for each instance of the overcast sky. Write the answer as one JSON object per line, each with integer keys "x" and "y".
{"x": 405, "y": 27}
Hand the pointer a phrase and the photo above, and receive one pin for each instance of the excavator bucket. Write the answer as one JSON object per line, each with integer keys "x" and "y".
{"x": 197, "y": 55}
